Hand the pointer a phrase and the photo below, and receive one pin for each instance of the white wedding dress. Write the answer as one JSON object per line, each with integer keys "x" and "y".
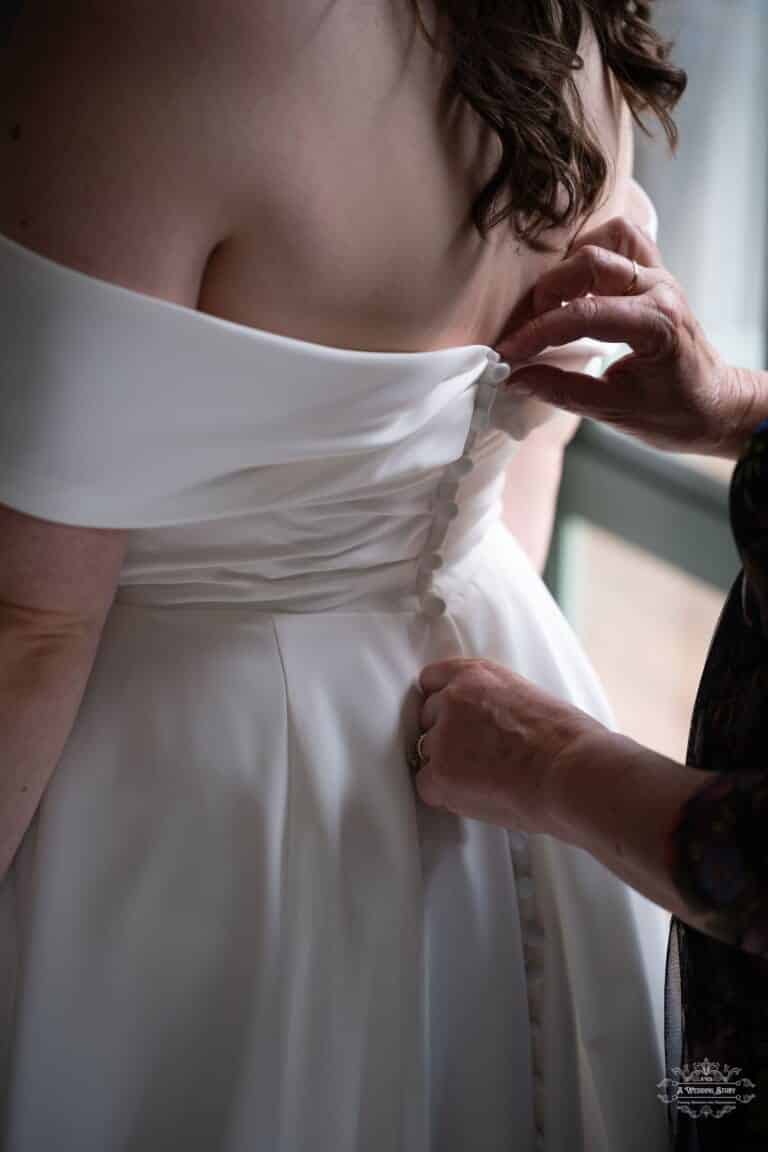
{"x": 231, "y": 926}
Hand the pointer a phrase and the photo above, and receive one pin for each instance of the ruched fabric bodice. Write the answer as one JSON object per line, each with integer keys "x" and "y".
{"x": 338, "y": 525}
{"x": 232, "y": 925}
{"x": 324, "y": 476}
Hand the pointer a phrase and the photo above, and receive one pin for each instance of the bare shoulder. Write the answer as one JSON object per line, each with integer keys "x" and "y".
{"x": 609, "y": 117}
{"x": 115, "y": 141}
{"x": 114, "y": 162}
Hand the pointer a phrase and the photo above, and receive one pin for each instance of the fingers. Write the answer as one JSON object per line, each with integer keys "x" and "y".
{"x": 573, "y": 391}
{"x": 623, "y": 238}
{"x": 601, "y": 262}
{"x": 592, "y": 269}
{"x": 430, "y": 788}
{"x": 436, "y": 676}
{"x": 429, "y": 712}
{"x": 620, "y": 320}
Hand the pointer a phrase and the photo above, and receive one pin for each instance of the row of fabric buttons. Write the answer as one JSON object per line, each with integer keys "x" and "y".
{"x": 533, "y": 944}
{"x": 446, "y": 510}
{"x": 446, "y": 507}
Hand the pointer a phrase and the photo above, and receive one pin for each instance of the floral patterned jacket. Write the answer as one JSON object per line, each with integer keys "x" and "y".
{"x": 717, "y": 979}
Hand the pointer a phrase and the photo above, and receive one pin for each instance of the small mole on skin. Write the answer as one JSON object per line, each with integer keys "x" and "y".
{"x": 15, "y": 132}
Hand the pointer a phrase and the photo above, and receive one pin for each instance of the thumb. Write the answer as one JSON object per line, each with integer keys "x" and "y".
{"x": 574, "y": 391}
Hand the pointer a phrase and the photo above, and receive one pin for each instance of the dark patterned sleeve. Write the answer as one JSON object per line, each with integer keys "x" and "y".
{"x": 749, "y": 520}
{"x": 719, "y": 848}
{"x": 720, "y": 859}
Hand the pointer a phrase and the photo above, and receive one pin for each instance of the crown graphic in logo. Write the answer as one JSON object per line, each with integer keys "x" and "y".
{"x": 704, "y": 1090}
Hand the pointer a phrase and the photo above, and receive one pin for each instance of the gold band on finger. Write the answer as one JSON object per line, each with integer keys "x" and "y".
{"x": 420, "y": 749}
{"x": 629, "y": 290}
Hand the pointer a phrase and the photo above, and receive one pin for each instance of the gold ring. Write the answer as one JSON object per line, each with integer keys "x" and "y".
{"x": 420, "y": 749}
{"x": 633, "y": 282}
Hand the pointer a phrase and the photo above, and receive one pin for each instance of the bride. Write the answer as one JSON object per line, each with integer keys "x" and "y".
{"x": 253, "y": 261}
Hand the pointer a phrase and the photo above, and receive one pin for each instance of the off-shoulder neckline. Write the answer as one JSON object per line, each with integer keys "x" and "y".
{"x": 220, "y": 323}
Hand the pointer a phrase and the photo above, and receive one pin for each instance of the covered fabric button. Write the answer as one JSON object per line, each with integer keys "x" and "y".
{"x": 433, "y": 605}
{"x": 535, "y": 986}
{"x": 525, "y": 888}
{"x": 518, "y": 842}
{"x": 527, "y": 913}
{"x": 424, "y": 578}
{"x": 534, "y": 943}
{"x": 496, "y": 373}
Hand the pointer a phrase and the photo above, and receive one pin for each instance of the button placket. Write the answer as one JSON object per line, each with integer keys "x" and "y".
{"x": 446, "y": 493}
{"x": 534, "y": 943}
{"x": 434, "y": 605}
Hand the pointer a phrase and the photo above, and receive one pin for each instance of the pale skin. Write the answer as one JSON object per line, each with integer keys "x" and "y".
{"x": 498, "y": 748}
{"x": 286, "y": 165}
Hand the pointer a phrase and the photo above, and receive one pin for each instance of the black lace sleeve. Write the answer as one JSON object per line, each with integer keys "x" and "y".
{"x": 749, "y": 519}
{"x": 722, "y": 859}
{"x": 720, "y": 849}
{"x": 716, "y": 1008}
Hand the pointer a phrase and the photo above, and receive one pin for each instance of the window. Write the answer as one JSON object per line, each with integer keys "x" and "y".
{"x": 642, "y": 554}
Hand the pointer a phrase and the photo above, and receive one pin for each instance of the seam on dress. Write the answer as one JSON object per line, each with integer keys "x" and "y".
{"x": 288, "y": 829}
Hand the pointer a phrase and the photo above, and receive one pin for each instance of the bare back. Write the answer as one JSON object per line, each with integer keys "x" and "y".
{"x": 353, "y": 225}
{"x": 343, "y": 174}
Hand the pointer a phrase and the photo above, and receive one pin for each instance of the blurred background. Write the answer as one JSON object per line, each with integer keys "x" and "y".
{"x": 642, "y": 555}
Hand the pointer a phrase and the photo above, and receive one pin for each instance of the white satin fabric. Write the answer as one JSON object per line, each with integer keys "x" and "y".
{"x": 232, "y": 927}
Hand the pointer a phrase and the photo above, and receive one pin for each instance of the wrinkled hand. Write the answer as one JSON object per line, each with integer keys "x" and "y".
{"x": 492, "y": 742}
{"x": 673, "y": 390}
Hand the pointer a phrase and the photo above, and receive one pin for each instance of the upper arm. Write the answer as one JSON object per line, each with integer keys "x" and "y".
{"x": 535, "y": 469}
{"x": 610, "y": 120}
{"x": 112, "y": 164}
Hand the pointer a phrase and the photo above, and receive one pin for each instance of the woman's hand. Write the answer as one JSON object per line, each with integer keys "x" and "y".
{"x": 673, "y": 390}
{"x": 497, "y": 748}
{"x": 492, "y": 742}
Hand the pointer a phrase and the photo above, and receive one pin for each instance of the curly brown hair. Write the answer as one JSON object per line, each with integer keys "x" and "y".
{"x": 514, "y": 62}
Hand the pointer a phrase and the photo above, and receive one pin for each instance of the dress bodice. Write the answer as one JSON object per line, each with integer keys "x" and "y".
{"x": 228, "y": 894}
{"x": 248, "y": 466}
